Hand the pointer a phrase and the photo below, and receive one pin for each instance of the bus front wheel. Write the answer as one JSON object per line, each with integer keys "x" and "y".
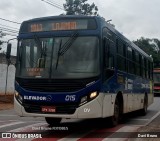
{"x": 53, "y": 121}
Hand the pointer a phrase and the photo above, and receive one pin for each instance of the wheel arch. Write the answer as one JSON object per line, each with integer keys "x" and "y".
{"x": 146, "y": 96}
{"x": 121, "y": 101}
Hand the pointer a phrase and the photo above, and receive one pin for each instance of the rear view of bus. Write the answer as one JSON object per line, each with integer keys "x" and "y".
{"x": 156, "y": 77}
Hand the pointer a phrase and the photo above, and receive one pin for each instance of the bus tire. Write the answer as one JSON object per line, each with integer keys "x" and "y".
{"x": 143, "y": 111}
{"x": 114, "y": 120}
{"x": 53, "y": 121}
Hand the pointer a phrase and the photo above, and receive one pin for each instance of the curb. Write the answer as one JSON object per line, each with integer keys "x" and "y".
{"x": 155, "y": 116}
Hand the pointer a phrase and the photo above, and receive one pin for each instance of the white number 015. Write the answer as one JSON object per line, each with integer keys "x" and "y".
{"x": 70, "y": 98}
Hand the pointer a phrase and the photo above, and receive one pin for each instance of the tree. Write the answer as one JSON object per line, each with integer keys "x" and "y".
{"x": 1, "y": 35}
{"x": 80, "y": 7}
{"x": 1, "y": 42}
{"x": 150, "y": 46}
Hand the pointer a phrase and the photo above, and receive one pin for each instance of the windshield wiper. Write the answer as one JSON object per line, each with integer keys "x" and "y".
{"x": 43, "y": 47}
{"x": 66, "y": 46}
{"x": 60, "y": 45}
{"x": 38, "y": 42}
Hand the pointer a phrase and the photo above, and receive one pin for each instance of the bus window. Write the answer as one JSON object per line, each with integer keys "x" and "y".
{"x": 143, "y": 67}
{"x": 121, "y": 53}
{"x": 108, "y": 58}
{"x": 137, "y": 67}
{"x": 130, "y": 62}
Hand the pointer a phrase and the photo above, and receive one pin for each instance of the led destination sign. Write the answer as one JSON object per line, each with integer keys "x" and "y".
{"x": 54, "y": 26}
{"x": 58, "y": 25}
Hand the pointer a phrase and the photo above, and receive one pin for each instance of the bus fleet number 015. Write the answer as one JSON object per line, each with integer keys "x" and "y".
{"x": 70, "y": 98}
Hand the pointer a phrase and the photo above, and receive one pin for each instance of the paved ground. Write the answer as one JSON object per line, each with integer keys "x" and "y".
{"x": 152, "y": 128}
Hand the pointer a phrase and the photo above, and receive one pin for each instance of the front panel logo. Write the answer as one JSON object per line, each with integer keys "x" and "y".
{"x": 38, "y": 98}
{"x": 49, "y": 98}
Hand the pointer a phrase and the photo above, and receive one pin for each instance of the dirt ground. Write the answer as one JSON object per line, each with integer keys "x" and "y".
{"x": 6, "y": 106}
{"x": 6, "y": 102}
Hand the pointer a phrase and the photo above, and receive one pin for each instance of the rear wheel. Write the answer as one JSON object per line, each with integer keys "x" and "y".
{"x": 115, "y": 118}
{"x": 143, "y": 111}
{"x": 53, "y": 121}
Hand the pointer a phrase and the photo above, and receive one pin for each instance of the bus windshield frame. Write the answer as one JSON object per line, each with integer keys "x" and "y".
{"x": 40, "y": 58}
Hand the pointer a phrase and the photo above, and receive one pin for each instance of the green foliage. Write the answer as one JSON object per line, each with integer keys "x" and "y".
{"x": 1, "y": 42}
{"x": 80, "y": 7}
{"x": 150, "y": 46}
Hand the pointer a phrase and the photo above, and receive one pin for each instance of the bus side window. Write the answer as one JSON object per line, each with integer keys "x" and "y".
{"x": 109, "y": 57}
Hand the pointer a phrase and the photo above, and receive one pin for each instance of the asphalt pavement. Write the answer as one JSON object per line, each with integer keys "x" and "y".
{"x": 149, "y": 132}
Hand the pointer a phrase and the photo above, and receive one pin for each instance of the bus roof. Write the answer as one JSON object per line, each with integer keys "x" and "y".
{"x": 58, "y": 17}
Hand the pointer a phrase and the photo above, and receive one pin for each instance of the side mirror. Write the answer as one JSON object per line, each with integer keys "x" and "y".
{"x": 8, "y": 53}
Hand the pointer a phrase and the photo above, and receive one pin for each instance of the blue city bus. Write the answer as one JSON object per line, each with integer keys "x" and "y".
{"x": 79, "y": 67}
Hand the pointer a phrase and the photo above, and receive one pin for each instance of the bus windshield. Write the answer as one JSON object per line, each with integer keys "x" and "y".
{"x": 41, "y": 57}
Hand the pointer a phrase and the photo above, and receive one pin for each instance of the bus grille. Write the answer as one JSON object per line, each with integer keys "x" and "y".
{"x": 46, "y": 85}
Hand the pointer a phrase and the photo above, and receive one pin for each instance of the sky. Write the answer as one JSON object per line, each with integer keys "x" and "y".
{"x": 132, "y": 18}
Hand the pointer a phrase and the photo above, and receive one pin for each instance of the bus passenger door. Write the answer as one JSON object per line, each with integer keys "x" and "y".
{"x": 108, "y": 77}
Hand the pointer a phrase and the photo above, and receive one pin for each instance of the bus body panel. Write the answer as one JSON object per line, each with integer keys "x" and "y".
{"x": 132, "y": 86}
{"x": 108, "y": 104}
{"x": 93, "y": 109}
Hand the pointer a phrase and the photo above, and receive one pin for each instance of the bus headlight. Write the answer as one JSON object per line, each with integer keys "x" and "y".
{"x": 16, "y": 94}
{"x": 19, "y": 97}
{"x": 88, "y": 98}
{"x": 93, "y": 95}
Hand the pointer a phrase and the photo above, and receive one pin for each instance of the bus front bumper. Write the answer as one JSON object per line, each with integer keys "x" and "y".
{"x": 92, "y": 109}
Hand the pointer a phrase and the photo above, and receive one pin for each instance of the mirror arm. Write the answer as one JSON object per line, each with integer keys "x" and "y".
{"x": 8, "y": 52}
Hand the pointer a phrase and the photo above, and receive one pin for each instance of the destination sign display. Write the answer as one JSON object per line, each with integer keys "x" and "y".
{"x": 36, "y": 27}
{"x": 58, "y": 25}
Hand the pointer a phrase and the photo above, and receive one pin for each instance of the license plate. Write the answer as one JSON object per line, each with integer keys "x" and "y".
{"x": 48, "y": 109}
